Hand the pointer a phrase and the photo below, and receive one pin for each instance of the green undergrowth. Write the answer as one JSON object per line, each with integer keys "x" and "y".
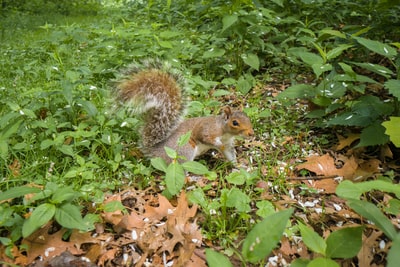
{"x": 62, "y": 138}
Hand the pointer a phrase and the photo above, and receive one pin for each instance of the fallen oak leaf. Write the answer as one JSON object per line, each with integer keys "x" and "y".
{"x": 346, "y": 141}
{"x": 325, "y": 165}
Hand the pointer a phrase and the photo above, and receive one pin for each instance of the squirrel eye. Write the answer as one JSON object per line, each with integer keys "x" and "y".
{"x": 235, "y": 123}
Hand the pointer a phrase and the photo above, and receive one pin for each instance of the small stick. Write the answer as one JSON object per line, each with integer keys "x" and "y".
{"x": 317, "y": 177}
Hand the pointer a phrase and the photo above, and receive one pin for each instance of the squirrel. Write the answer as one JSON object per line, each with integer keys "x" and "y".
{"x": 156, "y": 94}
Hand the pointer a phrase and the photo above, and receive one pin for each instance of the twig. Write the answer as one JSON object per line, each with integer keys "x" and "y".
{"x": 317, "y": 177}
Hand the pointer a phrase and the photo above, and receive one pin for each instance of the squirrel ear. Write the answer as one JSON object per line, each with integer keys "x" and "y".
{"x": 228, "y": 112}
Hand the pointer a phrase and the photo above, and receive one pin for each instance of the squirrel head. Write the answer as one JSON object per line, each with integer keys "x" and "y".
{"x": 237, "y": 122}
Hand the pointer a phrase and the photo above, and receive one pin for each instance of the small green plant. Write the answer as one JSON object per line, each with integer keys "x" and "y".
{"x": 259, "y": 242}
{"x": 175, "y": 171}
{"x": 352, "y": 193}
{"x": 54, "y": 202}
{"x": 338, "y": 79}
{"x": 344, "y": 243}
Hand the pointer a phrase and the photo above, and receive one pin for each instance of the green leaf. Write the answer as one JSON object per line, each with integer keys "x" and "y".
{"x": 337, "y": 51}
{"x": 374, "y": 214}
{"x": 333, "y": 33}
{"x": 228, "y": 21}
{"x": 171, "y": 153}
{"x": 67, "y": 150}
{"x": 373, "y": 135}
{"x": 64, "y": 194}
{"x": 394, "y": 87}
{"x": 184, "y": 139}
{"x": 312, "y": 240}
{"x": 215, "y": 259}
{"x": 393, "y": 257}
{"x": 39, "y": 217}
{"x": 377, "y": 47}
{"x": 174, "y": 178}
{"x": 321, "y": 68}
{"x": 238, "y": 199}
{"x": 195, "y": 167}
{"x": 378, "y": 69}
{"x": 251, "y": 60}
{"x": 69, "y": 216}
{"x": 114, "y": 205}
{"x": 298, "y": 91}
{"x": 299, "y": 263}
{"x": 19, "y": 191}
{"x": 393, "y": 130}
{"x": 88, "y": 106}
{"x": 265, "y": 208}
{"x": 236, "y": 178}
{"x": 323, "y": 262}
{"x": 350, "y": 190}
{"x": 213, "y": 52}
{"x": 344, "y": 243}
{"x": 159, "y": 164}
{"x": 310, "y": 58}
{"x": 265, "y": 235}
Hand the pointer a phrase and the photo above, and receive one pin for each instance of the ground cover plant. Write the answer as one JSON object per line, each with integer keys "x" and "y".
{"x": 318, "y": 185}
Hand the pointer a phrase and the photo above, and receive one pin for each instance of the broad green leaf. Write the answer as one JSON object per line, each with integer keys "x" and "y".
{"x": 373, "y": 135}
{"x": 393, "y": 257}
{"x": 174, "y": 178}
{"x": 64, "y": 194}
{"x": 323, "y": 262}
{"x": 393, "y": 130}
{"x": 310, "y": 58}
{"x": 215, "y": 259}
{"x": 312, "y": 239}
{"x": 265, "y": 235}
{"x": 171, "y": 153}
{"x": 321, "y": 68}
{"x": 214, "y": 52}
{"x": 393, "y": 87}
{"x": 350, "y": 190}
{"x": 169, "y": 34}
{"x": 19, "y": 191}
{"x": 159, "y": 164}
{"x": 236, "y": 178}
{"x": 165, "y": 44}
{"x": 299, "y": 263}
{"x": 69, "y": 216}
{"x": 184, "y": 139}
{"x": 378, "y": 69}
{"x": 265, "y": 208}
{"x": 67, "y": 150}
{"x": 195, "y": 167}
{"x": 88, "y": 106}
{"x": 337, "y": 51}
{"x": 333, "y": 33}
{"x": 252, "y": 60}
{"x": 39, "y": 217}
{"x": 114, "y": 205}
{"x": 238, "y": 200}
{"x": 228, "y": 21}
{"x": 298, "y": 91}
{"x": 347, "y": 69}
{"x": 344, "y": 243}
{"x": 377, "y": 47}
{"x": 374, "y": 214}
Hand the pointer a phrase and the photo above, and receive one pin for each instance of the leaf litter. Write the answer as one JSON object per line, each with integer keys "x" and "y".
{"x": 152, "y": 232}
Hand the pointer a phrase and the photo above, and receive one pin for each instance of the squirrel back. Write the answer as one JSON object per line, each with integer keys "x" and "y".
{"x": 155, "y": 93}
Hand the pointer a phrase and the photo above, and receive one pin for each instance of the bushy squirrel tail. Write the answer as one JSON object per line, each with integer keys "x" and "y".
{"x": 153, "y": 89}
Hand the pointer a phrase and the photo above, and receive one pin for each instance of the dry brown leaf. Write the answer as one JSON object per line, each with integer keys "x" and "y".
{"x": 163, "y": 208}
{"x": 366, "y": 253}
{"x": 346, "y": 141}
{"x": 46, "y": 245}
{"x": 325, "y": 166}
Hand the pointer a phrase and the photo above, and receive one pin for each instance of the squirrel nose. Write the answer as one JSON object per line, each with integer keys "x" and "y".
{"x": 250, "y": 132}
